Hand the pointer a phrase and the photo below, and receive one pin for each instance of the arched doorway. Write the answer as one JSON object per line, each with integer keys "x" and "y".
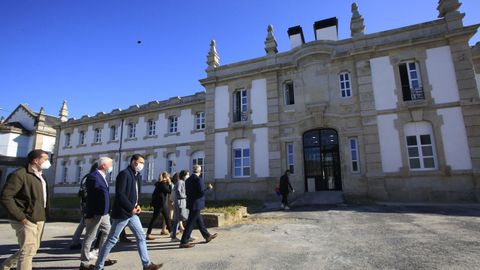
{"x": 321, "y": 160}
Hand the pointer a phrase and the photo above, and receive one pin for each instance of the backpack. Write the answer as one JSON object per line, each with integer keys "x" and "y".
{"x": 82, "y": 193}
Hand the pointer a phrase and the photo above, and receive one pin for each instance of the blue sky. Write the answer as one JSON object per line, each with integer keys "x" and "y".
{"x": 87, "y": 52}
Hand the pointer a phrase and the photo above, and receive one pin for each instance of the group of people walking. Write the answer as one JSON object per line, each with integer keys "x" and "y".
{"x": 24, "y": 196}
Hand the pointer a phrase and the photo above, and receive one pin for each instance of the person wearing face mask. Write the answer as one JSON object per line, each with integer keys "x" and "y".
{"x": 24, "y": 196}
{"x": 97, "y": 210}
{"x": 125, "y": 212}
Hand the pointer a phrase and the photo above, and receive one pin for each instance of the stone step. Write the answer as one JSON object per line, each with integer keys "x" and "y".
{"x": 319, "y": 198}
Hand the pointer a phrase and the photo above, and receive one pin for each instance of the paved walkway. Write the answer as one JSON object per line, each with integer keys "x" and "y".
{"x": 344, "y": 237}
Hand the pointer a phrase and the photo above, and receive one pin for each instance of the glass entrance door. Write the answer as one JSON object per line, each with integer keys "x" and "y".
{"x": 321, "y": 160}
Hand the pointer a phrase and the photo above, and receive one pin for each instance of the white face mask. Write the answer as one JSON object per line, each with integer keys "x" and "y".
{"x": 45, "y": 165}
{"x": 110, "y": 170}
{"x": 139, "y": 167}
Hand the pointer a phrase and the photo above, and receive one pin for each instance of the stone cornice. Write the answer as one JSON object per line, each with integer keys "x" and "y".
{"x": 136, "y": 110}
{"x": 376, "y": 43}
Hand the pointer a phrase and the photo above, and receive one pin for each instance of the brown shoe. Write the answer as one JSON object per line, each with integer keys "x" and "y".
{"x": 89, "y": 267}
{"x": 187, "y": 245}
{"x": 211, "y": 237}
{"x": 150, "y": 237}
{"x": 109, "y": 262}
{"x": 153, "y": 266}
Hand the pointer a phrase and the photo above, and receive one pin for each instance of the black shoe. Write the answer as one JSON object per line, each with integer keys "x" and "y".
{"x": 211, "y": 237}
{"x": 75, "y": 246}
{"x": 153, "y": 266}
{"x": 109, "y": 262}
{"x": 187, "y": 245}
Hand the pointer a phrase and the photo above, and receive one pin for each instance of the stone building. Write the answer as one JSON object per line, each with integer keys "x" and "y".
{"x": 23, "y": 131}
{"x": 390, "y": 116}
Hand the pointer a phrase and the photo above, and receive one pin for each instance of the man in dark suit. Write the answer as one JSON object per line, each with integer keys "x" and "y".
{"x": 97, "y": 210}
{"x": 125, "y": 212}
{"x": 195, "y": 189}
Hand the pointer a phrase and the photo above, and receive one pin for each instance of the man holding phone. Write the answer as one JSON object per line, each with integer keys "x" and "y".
{"x": 125, "y": 212}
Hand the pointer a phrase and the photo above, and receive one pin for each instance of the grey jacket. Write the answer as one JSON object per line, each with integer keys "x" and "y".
{"x": 180, "y": 194}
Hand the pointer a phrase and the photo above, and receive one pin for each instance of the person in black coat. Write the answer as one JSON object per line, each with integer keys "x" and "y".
{"x": 285, "y": 188}
{"x": 159, "y": 203}
{"x": 195, "y": 189}
{"x": 125, "y": 211}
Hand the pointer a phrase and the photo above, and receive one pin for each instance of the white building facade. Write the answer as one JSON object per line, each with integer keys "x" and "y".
{"x": 23, "y": 131}
{"x": 390, "y": 116}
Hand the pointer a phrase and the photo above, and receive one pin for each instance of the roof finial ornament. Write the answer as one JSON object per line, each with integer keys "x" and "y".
{"x": 212, "y": 57}
{"x": 63, "y": 112}
{"x": 357, "y": 27}
{"x": 448, "y": 9}
{"x": 270, "y": 42}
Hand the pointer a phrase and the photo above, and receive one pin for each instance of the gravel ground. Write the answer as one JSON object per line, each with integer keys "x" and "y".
{"x": 336, "y": 237}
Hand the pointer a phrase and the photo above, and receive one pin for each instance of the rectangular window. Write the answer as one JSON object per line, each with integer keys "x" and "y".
{"x": 172, "y": 124}
{"x": 289, "y": 94}
{"x": 411, "y": 84}
{"x": 65, "y": 173}
{"x": 197, "y": 161}
{"x": 79, "y": 172}
{"x": 132, "y": 128}
{"x": 354, "y": 155}
{"x": 200, "y": 121}
{"x": 67, "y": 139}
{"x": 113, "y": 133}
{"x": 152, "y": 125}
{"x": 240, "y": 106}
{"x": 420, "y": 152}
{"x": 148, "y": 176}
{"x": 98, "y": 135}
{"x": 241, "y": 162}
{"x": 290, "y": 158}
{"x": 81, "y": 139}
{"x": 345, "y": 84}
{"x": 110, "y": 177}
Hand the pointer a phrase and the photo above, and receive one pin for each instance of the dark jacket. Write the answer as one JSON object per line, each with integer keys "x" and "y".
{"x": 98, "y": 195}
{"x": 125, "y": 193}
{"x": 285, "y": 184}
{"x": 159, "y": 195}
{"x": 195, "y": 188}
{"x": 22, "y": 196}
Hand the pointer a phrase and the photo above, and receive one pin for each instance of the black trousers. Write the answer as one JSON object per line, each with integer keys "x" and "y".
{"x": 194, "y": 217}
{"x": 285, "y": 199}
{"x": 156, "y": 213}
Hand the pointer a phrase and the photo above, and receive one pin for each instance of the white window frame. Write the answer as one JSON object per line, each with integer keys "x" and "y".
{"x": 151, "y": 127}
{"x": 65, "y": 173}
{"x": 354, "y": 155}
{"x": 173, "y": 124}
{"x": 290, "y": 150}
{"x": 79, "y": 171}
{"x": 149, "y": 169}
{"x": 113, "y": 133}
{"x": 97, "y": 135}
{"x": 68, "y": 138}
{"x": 81, "y": 138}
{"x": 241, "y": 145}
{"x": 243, "y": 110}
{"x": 200, "y": 121}
{"x": 171, "y": 163}
{"x": 417, "y": 130}
{"x": 345, "y": 78}
{"x": 286, "y": 93}
{"x": 132, "y": 130}
{"x": 198, "y": 158}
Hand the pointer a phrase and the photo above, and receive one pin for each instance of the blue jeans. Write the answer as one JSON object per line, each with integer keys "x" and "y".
{"x": 117, "y": 227}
